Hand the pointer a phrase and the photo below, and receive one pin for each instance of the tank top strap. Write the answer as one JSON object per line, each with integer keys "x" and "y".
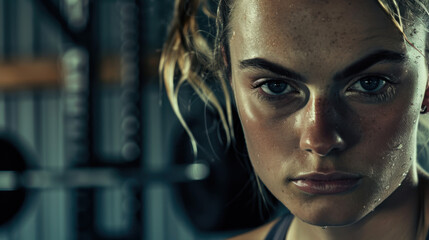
{"x": 280, "y": 229}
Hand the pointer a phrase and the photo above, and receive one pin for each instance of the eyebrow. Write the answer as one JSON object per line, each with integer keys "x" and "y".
{"x": 380, "y": 56}
{"x": 262, "y": 64}
{"x": 377, "y": 57}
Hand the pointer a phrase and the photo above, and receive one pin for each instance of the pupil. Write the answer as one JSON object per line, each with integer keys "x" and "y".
{"x": 370, "y": 84}
{"x": 277, "y": 87}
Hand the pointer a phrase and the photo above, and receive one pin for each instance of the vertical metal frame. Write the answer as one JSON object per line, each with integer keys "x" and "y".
{"x": 81, "y": 98}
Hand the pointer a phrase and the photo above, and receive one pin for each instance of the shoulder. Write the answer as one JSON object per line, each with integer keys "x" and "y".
{"x": 257, "y": 233}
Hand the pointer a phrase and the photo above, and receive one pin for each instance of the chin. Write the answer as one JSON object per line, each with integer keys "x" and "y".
{"x": 330, "y": 221}
{"x": 331, "y": 217}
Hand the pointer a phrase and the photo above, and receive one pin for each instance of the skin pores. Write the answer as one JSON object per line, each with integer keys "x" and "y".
{"x": 304, "y": 110}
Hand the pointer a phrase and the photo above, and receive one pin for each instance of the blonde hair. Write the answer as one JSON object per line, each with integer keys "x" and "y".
{"x": 188, "y": 58}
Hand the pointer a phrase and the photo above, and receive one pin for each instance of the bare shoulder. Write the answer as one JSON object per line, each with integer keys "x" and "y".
{"x": 257, "y": 233}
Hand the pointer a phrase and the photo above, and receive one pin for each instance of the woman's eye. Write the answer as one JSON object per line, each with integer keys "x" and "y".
{"x": 276, "y": 87}
{"x": 368, "y": 85}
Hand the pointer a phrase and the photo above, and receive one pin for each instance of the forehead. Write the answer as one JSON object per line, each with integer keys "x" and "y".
{"x": 302, "y": 28}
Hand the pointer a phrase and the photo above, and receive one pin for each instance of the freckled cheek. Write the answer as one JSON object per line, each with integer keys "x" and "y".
{"x": 268, "y": 140}
{"x": 387, "y": 140}
{"x": 268, "y": 153}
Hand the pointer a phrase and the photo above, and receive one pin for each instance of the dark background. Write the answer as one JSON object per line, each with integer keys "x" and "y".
{"x": 81, "y": 107}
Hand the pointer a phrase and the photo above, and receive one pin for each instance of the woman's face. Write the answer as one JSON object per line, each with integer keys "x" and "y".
{"x": 329, "y": 95}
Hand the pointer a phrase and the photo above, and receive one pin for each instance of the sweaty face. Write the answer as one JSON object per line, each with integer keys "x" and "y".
{"x": 328, "y": 93}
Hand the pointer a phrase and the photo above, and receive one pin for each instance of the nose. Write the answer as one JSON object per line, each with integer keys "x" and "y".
{"x": 319, "y": 129}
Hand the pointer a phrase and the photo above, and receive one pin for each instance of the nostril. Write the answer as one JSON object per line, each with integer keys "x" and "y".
{"x": 323, "y": 146}
{"x": 319, "y": 129}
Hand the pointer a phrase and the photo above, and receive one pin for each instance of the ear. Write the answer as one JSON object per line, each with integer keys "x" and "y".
{"x": 226, "y": 62}
{"x": 426, "y": 96}
{"x": 425, "y": 103}
{"x": 225, "y": 59}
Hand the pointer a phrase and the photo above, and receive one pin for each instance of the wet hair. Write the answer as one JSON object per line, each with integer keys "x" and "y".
{"x": 188, "y": 57}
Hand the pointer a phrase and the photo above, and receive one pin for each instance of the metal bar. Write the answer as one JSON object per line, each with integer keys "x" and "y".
{"x": 99, "y": 177}
{"x": 54, "y": 12}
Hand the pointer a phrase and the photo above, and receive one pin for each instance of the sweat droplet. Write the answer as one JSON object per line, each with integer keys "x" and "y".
{"x": 399, "y": 147}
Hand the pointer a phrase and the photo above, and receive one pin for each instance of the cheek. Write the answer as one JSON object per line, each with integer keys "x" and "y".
{"x": 387, "y": 145}
{"x": 270, "y": 140}
{"x": 393, "y": 124}
{"x": 388, "y": 140}
{"x": 269, "y": 145}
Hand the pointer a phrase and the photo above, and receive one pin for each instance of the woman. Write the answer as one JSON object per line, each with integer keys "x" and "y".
{"x": 329, "y": 94}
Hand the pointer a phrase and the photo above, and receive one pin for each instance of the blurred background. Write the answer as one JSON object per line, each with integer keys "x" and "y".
{"x": 89, "y": 147}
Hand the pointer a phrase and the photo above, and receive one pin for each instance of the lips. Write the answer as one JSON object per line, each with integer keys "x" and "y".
{"x": 326, "y": 183}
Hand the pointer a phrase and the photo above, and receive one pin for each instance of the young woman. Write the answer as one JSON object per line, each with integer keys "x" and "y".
{"x": 329, "y": 94}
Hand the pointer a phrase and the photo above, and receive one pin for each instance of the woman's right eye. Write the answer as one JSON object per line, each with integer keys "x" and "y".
{"x": 276, "y": 87}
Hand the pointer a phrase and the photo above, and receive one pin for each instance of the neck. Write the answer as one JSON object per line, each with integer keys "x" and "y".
{"x": 396, "y": 218}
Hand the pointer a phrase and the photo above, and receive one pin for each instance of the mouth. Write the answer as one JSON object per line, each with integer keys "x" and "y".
{"x": 317, "y": 183}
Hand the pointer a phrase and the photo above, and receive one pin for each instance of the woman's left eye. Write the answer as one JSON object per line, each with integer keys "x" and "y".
{"x": 369, "y": 85}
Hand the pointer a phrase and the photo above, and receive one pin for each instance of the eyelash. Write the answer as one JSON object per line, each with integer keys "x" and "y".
{"x": 384, "y": 94}
{"x": 262, "y": 95}
{"x": 381, "y": 95}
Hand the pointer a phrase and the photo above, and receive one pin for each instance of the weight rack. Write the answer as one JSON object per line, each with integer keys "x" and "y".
{"x": 85, "y": 169}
